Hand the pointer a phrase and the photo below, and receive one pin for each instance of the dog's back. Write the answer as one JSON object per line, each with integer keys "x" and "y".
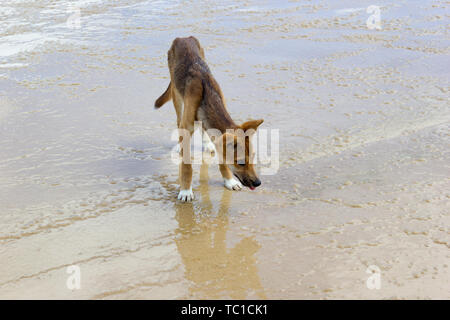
{"x": 186, "y": 65}
{"x": 186, "y": 61}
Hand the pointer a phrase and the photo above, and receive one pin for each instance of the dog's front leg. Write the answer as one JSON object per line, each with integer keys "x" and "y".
{"x": 228, "y": 180}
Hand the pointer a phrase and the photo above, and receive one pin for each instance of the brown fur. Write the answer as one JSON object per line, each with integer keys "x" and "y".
{"x": 193, "y": 86}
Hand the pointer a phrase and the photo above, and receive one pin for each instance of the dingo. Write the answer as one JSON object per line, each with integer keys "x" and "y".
{"x": 193, "y": 85}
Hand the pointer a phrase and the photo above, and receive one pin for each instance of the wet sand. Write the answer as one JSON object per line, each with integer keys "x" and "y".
{"x": 364, "y": 178}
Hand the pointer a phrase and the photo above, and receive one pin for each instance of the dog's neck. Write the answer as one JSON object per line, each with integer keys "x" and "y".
{"x": 212, "y": 111}
{"x": 215, "y": 118}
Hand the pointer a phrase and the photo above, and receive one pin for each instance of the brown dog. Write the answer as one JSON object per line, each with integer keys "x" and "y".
{"x": 193, "y": 86}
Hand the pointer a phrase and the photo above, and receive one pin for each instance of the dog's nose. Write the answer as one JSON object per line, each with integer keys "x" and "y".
{"x": 256, "y": 183}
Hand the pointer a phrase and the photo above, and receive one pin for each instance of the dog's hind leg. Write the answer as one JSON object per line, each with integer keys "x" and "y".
{"x": 178, "y": 104}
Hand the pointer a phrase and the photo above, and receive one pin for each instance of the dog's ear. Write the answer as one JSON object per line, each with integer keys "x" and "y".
{"x": 251, "y": 124}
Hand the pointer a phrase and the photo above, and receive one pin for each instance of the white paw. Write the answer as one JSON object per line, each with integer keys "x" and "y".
{"x": 232, "y": 184}
{"x": 178, "y": 148}
{"x": 208, "y": 146}
{"x": 186, "y": 195}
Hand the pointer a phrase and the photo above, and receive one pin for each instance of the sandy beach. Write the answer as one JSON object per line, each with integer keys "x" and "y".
{"x": 363, "y": 179}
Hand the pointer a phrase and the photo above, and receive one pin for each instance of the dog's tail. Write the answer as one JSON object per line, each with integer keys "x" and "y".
{"x": 166, "y": 96}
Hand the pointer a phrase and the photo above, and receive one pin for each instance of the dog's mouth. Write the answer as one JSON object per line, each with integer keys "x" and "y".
{"x": 246, "y": 183}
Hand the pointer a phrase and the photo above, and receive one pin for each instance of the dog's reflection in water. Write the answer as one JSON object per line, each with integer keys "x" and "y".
{"x": 215, "y": 270}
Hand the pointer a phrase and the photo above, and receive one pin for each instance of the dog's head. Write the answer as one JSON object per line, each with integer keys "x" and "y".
{"x": 236, "y": 151}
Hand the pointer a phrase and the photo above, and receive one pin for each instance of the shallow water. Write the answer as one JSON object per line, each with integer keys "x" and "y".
{"x": 86, "y": 177}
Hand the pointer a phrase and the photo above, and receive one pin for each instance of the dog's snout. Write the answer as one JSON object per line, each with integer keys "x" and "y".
{"x": 256, "y": 183}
